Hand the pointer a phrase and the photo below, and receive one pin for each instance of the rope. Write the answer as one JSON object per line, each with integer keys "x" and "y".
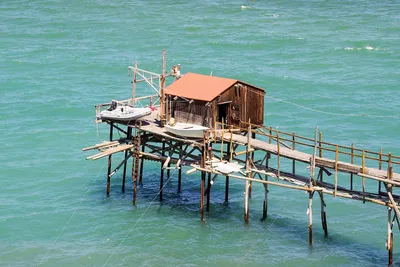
{"x": 332, "y": 113}
{"x": 141, "y": 216}
{"x": 70, "y": 218}
{"x": 259, "y": 240}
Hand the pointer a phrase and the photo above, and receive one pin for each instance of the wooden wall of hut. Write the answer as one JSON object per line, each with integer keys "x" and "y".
{"x": 241, "y": 102}
{"x": 194, "y": 113}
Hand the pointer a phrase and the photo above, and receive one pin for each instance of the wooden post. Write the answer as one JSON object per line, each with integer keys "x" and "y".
{"x": 294, "y": 148}
{"x": 134, "y": 84}
{"x": 203, "y": 180}
{"x": 363, "y": 171}
{"x": 134, "y": 185}
{"x": 109, "y": 162}
{"x": 248, "y": 173}
{"x": 162, "y": 87}
{"x": 265, "y": 203}
{"x": 380, "y": 168}
{"x": 310, "y": 196}
{"x": 162, "y": 172}
{"x": 142, "y": 165}
{"x": 321, "y": 173}
{"x": 129, "y": 135}
{"x": 390, "y": 233}
{"x": 222, "y": 141}
{"x": 352, "y": 162}
{"x": 180, "y": 170}
{"x": 311, "y": 185}
{"x": 208, "y": 193}
{"x": 136, "y": 164}
{"x": 253, "y": 135}
{"x": 336, "y": 169}
{"x": 279, "y": 155}
{"x": 229, "y": 152}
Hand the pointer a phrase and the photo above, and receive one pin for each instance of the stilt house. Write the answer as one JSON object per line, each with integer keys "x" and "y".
{"x": 202, "y": 100}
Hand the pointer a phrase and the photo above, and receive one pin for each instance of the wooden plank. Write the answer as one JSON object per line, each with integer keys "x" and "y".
{"x": 111, "y": 151}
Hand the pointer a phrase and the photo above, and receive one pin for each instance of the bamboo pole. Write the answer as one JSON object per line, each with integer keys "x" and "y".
{"x": 109, "y": 162}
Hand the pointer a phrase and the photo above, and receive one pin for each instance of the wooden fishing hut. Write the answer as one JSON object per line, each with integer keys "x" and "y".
{"x": 210, "y": 100}
{"x": 233, "y": 110}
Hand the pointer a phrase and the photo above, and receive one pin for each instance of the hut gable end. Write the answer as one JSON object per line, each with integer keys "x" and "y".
{"x": 199, "y": 87}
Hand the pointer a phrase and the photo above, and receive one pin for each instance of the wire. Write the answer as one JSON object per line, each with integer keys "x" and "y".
{"x": 255, "y": 244}
{"x": 70, "y": 218}
{"x": 141, "y": 216}
{"x": 332, "y": 113}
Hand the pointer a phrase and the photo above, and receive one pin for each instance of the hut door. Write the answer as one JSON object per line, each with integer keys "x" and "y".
{"x": 223, "y": 110}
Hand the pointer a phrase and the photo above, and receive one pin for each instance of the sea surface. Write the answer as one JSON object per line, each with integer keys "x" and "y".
{"x": 331, "y": 64}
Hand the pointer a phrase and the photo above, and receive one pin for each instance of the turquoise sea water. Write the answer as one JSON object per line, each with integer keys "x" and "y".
{"x": 60, "y": 58}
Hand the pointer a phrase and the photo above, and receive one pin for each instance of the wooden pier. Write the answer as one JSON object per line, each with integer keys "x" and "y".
{"x": 250, "y": 152}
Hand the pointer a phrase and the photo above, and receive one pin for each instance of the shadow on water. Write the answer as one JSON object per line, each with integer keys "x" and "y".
{"x": 187, "y": 203}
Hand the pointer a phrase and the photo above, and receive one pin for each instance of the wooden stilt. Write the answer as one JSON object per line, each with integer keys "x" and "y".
{"x": 253, "y": 135}
{"x": 363, "y": 171}
{"x": 310, "y": 196}
{"x": 109, "y": 162}
{"x": 294, "y": 148}
{"x": 136, "y": 158}
{"x": 208, "y": 193}
{"x": 279, "y": 154}
{"x": 202, "y": 183}
{"x": 352, "y": 162}
{"x": 229, "y": 152}
{"x": 226, "y": 188}
{"x": 265, "y": 203}
{"x": 134, "y": 179}
{"x": 180, "y": 170}
{"x": 247, "y": 183}
{"x": 129, "y": 131}
{"x": 162, "y": 172}
{"x": 390, "y": 237}
{"x": 380, "y": 168}
{"x": 321, "y": 194}
{"x": 141, "y": 166}
{"x": 336, "y": 169}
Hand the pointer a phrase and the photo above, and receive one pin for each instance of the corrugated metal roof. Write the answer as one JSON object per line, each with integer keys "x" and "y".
{"x": 199, "y": 87}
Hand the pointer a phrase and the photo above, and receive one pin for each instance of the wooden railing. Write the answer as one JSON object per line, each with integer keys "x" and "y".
{"x": 322, "y": 146}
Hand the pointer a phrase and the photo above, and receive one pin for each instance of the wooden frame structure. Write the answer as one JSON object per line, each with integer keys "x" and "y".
{"x": 237, "y": 153}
